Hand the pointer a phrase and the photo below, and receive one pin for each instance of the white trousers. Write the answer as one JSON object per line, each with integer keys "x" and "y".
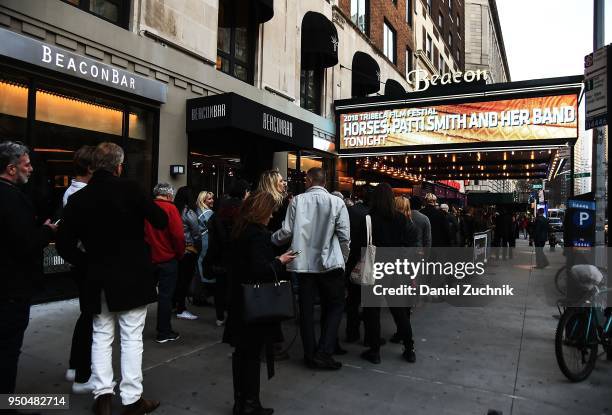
{"x": 131, "y": 324}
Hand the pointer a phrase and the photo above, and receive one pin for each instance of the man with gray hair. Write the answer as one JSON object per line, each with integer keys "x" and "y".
{"x": 317, "y": 226}
{"x": 108, "y": 217}
{"x": 20, "y": 257}
{"x": 167, "y": 248}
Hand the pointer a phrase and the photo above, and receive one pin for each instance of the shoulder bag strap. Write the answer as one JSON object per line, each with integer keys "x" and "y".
{"x": 368, "y": 219}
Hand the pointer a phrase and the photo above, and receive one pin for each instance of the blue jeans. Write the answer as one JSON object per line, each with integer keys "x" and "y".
{"x": 167, "y": 273}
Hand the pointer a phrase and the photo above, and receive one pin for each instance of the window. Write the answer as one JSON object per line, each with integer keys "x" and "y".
{"x": 389, "y": 42}
{"x": 311, "y": 81}
{"x": 114, "y": 11}
{"x": 440, "y": 65}
{"x": 429, "y": 49}
{"x": 450, "y": 5}
{"x": 429, "y": 6}
{"x": 236, "y": 48}
{"x": 437, "y": 56}
{"x": 450, "y": 40}
{"x": 359, "y": 14}
{"x": 13, "y": 107}
{"x": 440, "y": 21}
{"x": 408, "y": 61}
{"x": 458, "y": 22}
{"x": 409, "y": 12}
{"x": 394, "y": 2}
{"x": 458, "y": 56}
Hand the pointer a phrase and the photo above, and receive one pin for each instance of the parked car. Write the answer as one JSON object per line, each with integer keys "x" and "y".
{"x": 555, "y": 225}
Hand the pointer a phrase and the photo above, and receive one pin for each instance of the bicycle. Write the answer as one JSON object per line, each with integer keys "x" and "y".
{"x": 582, "y": 327}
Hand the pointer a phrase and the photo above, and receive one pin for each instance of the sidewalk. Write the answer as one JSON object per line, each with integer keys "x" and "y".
{"x": 469, "y": 360}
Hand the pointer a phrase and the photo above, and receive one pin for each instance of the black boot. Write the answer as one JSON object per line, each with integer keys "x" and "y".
{"x": 251, "y": 387}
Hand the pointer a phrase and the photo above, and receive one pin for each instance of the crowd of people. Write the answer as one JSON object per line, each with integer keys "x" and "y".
{"x": 128, "y": 250}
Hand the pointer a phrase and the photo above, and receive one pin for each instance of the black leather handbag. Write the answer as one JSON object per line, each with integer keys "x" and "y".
{"x": 269, "y": 302}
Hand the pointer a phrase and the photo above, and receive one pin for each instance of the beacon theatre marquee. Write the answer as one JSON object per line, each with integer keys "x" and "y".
{"x": 506, "y": 120}
{"x": 23, "y": 48}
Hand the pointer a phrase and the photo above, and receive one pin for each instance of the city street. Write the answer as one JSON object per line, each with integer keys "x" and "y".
{"x": 469, "y": 361}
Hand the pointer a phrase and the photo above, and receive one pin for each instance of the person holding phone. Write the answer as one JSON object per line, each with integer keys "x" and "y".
{"x": 20, "y": 251}
{"x": 254, "y": 262}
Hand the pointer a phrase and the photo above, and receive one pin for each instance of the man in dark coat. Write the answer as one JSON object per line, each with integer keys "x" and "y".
{"x": 20, "y": 257}
{"x": 108, "y": 218}
{"x": 540, "y": 236}
{"x": 440, "y": 232}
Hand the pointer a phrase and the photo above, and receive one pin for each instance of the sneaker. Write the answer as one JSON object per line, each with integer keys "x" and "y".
{"x": 170, "y": 337}
{"x": 220, "y": 323}
{"x": 186, "y": 315}
{"x": 70, "y": 375}
{"x": 82, "y": 388}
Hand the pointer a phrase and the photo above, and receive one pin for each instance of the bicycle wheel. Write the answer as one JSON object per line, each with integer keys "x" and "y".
{"x": 561, "y": 280}
{"x": 575, "y": 348}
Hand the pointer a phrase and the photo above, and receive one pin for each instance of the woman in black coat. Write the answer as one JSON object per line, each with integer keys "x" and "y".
{"x": 254, "y": 261}
{"x": 390, "y": 229}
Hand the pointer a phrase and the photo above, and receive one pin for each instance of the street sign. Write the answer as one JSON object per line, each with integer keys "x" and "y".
{"x": 536, "y": 186}
{"x": 596, "y": 88}
{"x": 582, "y": 224}
{"x": 579, "y": 175}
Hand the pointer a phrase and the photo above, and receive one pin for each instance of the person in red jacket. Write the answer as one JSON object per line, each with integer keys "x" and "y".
{"x": 167, "y": 248}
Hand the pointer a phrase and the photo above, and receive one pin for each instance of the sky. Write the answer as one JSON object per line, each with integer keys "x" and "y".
{"x": 548, "y": 38}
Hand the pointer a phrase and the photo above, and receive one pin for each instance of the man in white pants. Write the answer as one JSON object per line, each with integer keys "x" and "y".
{"x": 108, "y": 216}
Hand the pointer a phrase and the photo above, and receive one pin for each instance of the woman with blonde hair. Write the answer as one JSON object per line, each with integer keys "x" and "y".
{"x": 204, "y": 205}
{"x": 403, "y": 205}
{"x": 271, "y": 181}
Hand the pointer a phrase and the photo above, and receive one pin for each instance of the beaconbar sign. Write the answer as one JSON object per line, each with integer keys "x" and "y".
{"x": 23, "y": 48}
{"x": 549, "y": 117}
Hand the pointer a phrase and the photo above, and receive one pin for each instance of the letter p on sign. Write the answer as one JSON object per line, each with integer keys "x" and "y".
{"x": 584, "y": 217}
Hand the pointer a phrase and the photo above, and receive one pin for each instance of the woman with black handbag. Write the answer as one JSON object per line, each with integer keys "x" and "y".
{"x": 254, "y": 263}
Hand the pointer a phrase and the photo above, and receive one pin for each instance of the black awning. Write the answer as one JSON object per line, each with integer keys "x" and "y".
{"x": 239, "y": 13}
{"x": 264, "y": 10}
{"x": 233, "y": 111}
{"x": 319, "y": 42}
{"x": 366, "y": 75}
{"x": 394, "y": 89}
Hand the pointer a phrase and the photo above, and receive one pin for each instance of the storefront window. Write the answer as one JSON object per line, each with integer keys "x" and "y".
{"x": 139, "y": 146}
{"x": 296, "y": 177}
{"x": 66, "y": 120}
{"x": 13, "y": 108}
{"x": 56, "y": 108}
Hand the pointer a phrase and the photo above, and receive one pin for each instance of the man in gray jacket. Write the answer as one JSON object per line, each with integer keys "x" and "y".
{"x": 317, "y": 225}
{"x": 421, "y": 222}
